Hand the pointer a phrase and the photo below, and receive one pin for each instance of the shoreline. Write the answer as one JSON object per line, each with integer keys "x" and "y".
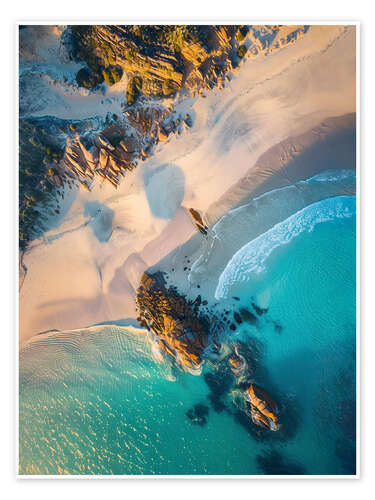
{"x": 273, "y": 190}
{"x": 330, "y": 145}
{"x": 76, "y": 276}
{"x": 269, "y": 174}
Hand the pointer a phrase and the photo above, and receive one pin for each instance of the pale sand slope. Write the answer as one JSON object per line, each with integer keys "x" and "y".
{"x": 283, "y": 182}
{"x": 81, "y": 277}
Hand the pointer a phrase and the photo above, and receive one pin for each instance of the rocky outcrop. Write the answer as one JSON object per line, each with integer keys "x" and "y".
{"x": 198, "y": 221}
{"x": 161, "y": 60}
{"x": 41, "y": 175}
{"x": 263, "y": 409}
{"x": 176, "y": 324}
{"x": 100, "y": 158}
{"x": 182, "y": 332}
{"x": 237, "y": 363}
{"x": 158, "y": 62}
{"x": 108, "y": 155}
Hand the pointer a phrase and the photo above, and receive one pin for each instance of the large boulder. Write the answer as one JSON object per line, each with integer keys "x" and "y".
{"x": 263, "y": 409}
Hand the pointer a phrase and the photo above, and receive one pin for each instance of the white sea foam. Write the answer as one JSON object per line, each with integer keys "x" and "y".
{"x": 251, "y": 257}
{"x": 95, "y": 280}
{"x": 333, "y": 176}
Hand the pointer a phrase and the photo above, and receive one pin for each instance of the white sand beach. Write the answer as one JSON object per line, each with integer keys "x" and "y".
{"x": 247, "y": 138}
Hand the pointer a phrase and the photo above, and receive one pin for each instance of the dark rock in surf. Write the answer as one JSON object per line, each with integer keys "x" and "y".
{"x": 273, "y": 463}
{"x": 219, "y": 384}
{"x": 249, "y": 317}
{"x": 237, "y": 318}
{"x": 278, "y": 327}
{"x": 263, "y": 409}
{"x": 259, "y": 310}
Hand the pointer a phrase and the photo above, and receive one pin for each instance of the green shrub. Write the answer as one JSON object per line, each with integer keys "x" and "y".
{"x": 107, "y": 77}
{"x": 117, "y": 73}
{"x": 241, "y": 51}
{"x": 36, "y": 180}
{"x": 133, "y": 89}
{"x": 241, "y": 33}
{"x": 112, "y": 74}
{"x": 88, "y": 79}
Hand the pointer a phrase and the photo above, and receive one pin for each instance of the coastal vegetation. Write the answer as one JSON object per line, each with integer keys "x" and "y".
{"x": 88, "y": 78}
{"x": 157, "y": 59}
{"x": 39, "y": 178}
{"x": 241, "y": 51}
{"x": 112, "y": 74}
{"x": 133, "y": 90}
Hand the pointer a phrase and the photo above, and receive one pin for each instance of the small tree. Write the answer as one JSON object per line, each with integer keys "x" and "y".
{"x": 241, "y": 51}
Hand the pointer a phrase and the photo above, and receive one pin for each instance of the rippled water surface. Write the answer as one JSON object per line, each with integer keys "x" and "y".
{"x": 96, "y": 401}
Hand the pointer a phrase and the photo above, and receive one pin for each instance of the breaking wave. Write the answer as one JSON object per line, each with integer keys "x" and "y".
{"x": 251, "y": 257}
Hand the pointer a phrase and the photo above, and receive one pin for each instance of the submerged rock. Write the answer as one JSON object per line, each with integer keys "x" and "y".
{"x": 198, "y": 414}
{"x": 263, "y": 409}
{"x": 248, "y": 316}
{"x": 219, "y": 383}
{"x": 277, "y": 326}
{"x": 259, "y": 310}
{"x": 273, "y": 463}
{"x": 237, "y": 318}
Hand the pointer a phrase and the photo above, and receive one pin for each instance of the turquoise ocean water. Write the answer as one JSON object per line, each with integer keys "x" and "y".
{"x": 96, "y": 401}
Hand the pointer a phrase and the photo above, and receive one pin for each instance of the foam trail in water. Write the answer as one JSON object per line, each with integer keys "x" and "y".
{"x": 251, "y": 257}
{"x": 333, "y": 176}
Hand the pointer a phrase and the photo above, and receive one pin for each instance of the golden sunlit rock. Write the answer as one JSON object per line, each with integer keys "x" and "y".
{"x": 263, "y": 407}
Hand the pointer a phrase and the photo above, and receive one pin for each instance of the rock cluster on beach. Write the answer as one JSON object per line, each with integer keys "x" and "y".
{"x": 159, "y": 62}
{"x": 176, "y": 325}
{"x": 108, "y": 155}
{"x": 41, "y": 176}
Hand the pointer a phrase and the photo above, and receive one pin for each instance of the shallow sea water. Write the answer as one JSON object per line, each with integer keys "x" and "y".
{"x": 96, "y": 401}
{"x": 309, "y": 338}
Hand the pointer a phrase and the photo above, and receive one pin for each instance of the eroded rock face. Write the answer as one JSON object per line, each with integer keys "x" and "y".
{"x": 177, "y": 326}
{"x": 160, "y": 60}
{"x": 182, "y": 332}
{"x": 117, "y": 149}
{"x": 263, "y": 409}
